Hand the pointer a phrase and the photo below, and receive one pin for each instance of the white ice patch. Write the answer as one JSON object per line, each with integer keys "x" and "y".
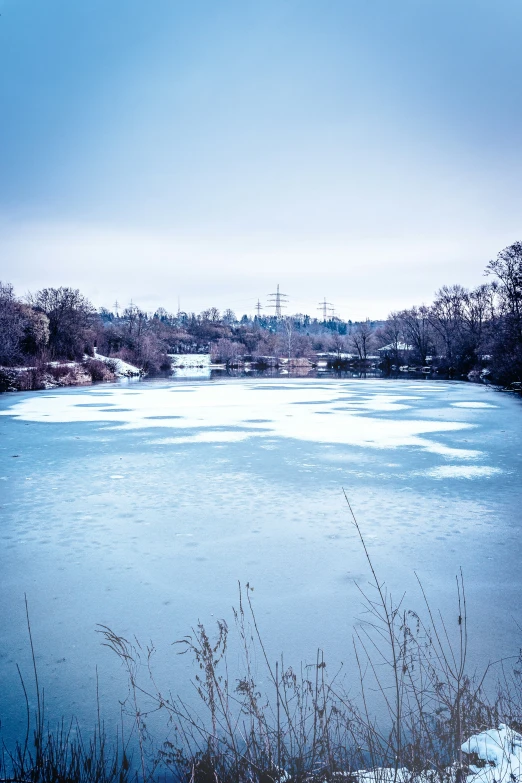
{"x": 450, "y": 452}
{"x": 223, "y": 407}
{"x": 461, "y": 471}
{"x": 473, "y": 405}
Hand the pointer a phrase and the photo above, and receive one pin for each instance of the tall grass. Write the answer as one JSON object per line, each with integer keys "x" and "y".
{"x": 307, "y": 724}
{"x": 404, "y": 713}
{"x": 58, "y": 753}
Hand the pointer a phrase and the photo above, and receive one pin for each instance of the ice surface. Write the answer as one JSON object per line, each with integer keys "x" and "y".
{"x": 472, "y": 405}
{"x": 289, "y": 412}
{"x": 462, "y": 471}
{"x": 140, "y": 505}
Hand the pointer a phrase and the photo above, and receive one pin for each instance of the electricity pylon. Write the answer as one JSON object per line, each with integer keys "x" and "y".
{"x": 327, "y": 309}
{"x": 259, "y": 307}
{"x": 277, "y": 300}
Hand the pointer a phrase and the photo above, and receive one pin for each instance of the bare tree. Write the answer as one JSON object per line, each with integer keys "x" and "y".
{"x": 302, "y": 346}
{"x": 288, "y": 324}
{"x": 11, "y": 326}
{"x": 391, "y": 336}
{"x": 338, "y": 343}
{"x": 134, "y": 320}
{"x": 508, "y": 268}
{"x": 417, "y": 330}
{"x": 446, "y": 318}
{"x": 212, "y": 314}
{"x": 227, "y": 351}
{"x": 71, "y": 318}
{"x": 229, "y": 317}
{"x": 477, "y": 313}
{"x": 362, "y": 339}
{"x": 36, "y": 331}
{"x": 507, "y": 332}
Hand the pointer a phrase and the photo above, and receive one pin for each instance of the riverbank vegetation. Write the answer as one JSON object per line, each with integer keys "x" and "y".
{"x": 475, "y": 333}
{"x": 412, "y": 709}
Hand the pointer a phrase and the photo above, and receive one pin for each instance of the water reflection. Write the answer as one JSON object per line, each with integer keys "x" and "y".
{"x": 200, "y": 367}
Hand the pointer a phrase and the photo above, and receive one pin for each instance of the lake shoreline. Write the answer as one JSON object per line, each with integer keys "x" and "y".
{"x": 62, "y": 374}
{"x": 90, "y": 372}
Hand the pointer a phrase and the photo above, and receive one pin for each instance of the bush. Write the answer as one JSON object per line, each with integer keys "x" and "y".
{"x": 67, "y": 374}
{"x": 21, "y": 379}
{"x": 99, "y": 370}
{"x": 8, "y": 380}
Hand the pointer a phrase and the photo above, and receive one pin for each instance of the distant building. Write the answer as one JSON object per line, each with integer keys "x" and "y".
{"x": 395, "y": 347}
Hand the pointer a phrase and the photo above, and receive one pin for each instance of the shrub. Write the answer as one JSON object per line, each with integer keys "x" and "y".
{"x": 99, "y": 370}
{"x": 8, "y": 380}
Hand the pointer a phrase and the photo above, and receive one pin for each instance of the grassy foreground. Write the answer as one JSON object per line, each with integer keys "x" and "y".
{"x": 305, "y": 724}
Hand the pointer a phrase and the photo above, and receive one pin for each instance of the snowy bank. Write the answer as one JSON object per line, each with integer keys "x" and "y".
{"x": 500, "y": 750}
{"x": 120, "y": 368}
{"x": 190, "y": 360}
{"x": 493, "y": 756}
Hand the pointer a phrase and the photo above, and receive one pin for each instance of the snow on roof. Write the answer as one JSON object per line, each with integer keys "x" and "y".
{"x": 396, "y": 347}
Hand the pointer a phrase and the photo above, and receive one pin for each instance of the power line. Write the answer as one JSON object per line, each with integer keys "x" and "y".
{"x": 277, "y": 300}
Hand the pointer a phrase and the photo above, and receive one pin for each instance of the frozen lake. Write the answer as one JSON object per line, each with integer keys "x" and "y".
{"x": 140, "y": 506}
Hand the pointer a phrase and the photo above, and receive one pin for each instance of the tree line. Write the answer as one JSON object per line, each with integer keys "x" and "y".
{"x": 465, "y": 330}
{"x": 461, "y": 331}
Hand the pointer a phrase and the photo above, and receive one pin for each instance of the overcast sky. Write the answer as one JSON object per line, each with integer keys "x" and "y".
{"x": 368, "y": 151}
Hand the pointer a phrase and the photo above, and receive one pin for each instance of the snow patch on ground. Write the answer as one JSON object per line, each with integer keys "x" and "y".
{"x": 498, "y": 750}
{"x": 121, "y": 369}
{"x": 501, "y": 749}
{"x": 190, "y": 359}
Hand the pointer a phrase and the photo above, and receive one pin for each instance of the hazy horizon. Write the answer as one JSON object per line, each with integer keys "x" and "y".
{"x": 366, "y": 153}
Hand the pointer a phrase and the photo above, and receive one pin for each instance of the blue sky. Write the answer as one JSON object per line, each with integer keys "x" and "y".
{"x": 368, "y": 151}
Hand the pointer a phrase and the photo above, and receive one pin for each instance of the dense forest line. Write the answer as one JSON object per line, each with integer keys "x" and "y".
{"x": 461, "y": 333}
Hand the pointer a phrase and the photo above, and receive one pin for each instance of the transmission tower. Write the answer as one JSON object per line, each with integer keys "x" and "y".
{"x": 277, "y": 300}
{"x": 259, "y": 307}
{"x": 326, "y": 308}
{"x": 116, "y": 306}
